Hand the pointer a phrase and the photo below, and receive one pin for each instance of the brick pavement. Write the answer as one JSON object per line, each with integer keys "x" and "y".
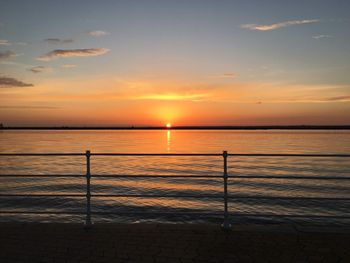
{"x": 35, "y": 242}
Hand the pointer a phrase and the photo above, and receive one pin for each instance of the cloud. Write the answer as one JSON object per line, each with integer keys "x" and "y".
{"x": 7, "y": 82}
{"x": 68, "y": 66}
{"x": 40, "y": 69}
{"x": 58, "y": 40}
{"x": 29, "y": 107}
{"x": 66, "y": 53}
{"x": 4, "y": 42}
{"x": 322, "y": 36}
{"x": 231, "y": 75}
{"x": 98, "y": 33}
{"x": 225, "y": 75}
{"x": 261, "y": 27}
{"x": 256, "y": 93}
{"x": 339, "y": 98}
{"x": 7, "y": 54}
{"x": 173, "y": 96}
{"x": 21, "y": 43}
{"x": 15, "y": 64}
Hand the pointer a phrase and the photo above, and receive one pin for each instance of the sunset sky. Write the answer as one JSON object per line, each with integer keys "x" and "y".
{"x": 181, "y": 62}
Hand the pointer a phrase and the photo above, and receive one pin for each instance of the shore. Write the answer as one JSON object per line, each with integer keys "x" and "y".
{"x": 50, "y": 242}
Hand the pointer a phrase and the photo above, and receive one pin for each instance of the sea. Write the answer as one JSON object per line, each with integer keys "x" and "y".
{"x": 190, "y": 200}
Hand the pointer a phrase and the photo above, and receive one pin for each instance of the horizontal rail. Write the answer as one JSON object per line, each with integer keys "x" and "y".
{"x": 42, "y": 195}
{"x": 289, "y": 198}
{"x": 180, "y": 176}
{"x": 42, "y": 212}
{"x": 156, "y": 154}
{"x": 111, "y": 154}
{"x": 217, "y": 214}
{"x": 287, "y": 155}
{"x": 289, "y": 177}
{"x": 213, "y": 196}
{"x": 157, "y": 196}
{"x": 157, "y": 213}
{"x": 112, "y": 175}
{"x": 111, "y": 212}
{"x": 43, "y": 175}
{"x": 177, "y": 213}
{"x": 288, "y": 216}
{"x": 153, "y": 176}
{"x": 42, "y": 154}
{"x": 112, "y": 195}
{"x": 179, "y": 154}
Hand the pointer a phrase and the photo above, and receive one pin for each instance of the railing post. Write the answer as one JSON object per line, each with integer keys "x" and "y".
{"x": 226, "y": 224}
{"x": 88, "y": 222}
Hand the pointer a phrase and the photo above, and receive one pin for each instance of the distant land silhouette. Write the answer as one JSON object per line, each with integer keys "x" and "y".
{"x": 245, "y": 127}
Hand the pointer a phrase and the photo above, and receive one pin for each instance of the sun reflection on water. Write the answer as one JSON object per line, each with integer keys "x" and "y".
{"x": 168, "y": 139}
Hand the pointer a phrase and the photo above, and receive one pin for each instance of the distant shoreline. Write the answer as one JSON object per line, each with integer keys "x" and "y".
{"x": 272, "y": 127}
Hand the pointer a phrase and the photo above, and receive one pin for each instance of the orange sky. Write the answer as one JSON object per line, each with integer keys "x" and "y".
{"x": 148, "y": 103}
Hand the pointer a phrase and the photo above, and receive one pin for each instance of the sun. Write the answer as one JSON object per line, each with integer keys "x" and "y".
{"x": 168, "y": 125}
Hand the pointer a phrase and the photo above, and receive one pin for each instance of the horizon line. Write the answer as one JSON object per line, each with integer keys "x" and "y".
{"x": 184, "y": 127}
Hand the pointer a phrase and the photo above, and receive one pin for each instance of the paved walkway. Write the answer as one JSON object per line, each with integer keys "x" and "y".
{"x": 170, "y": 243}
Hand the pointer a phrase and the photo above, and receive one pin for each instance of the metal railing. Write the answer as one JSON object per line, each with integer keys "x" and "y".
{"x": 225, "y": 196}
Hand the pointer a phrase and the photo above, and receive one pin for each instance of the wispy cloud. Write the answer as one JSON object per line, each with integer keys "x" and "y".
{"x": 262, "y": 27}
{"x": 68, "y": 66}
{"x": 98, "y": 33}
{"x": 172, "y": 96}
{"x": 58, "y": 40}
{"x": 29, "y": 107}
{"x": 7, "y": 82}
{"x": 225, "y": 75}
{"x": 338, "y": 98}
{"x": 16, "y": 64}
{"x": 229, "y": 75}
{"x": 4, "y": 42}
{"x": 241, "y": 93}
{"x": 66, "y": 53}
{"x": 21, "y": 43}
{"x": 40, "y": 69}
{"x": 7, "y": 54}
{"x": 322, "y": 36}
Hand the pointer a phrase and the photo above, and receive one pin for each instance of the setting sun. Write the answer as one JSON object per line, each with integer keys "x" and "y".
{"x": 168, "y": 125}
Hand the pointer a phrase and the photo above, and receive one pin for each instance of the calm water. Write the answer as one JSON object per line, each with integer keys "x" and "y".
{"x": 163, "y": 141}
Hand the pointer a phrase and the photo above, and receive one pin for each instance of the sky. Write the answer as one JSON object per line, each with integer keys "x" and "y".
{"x": 217, "y": 62}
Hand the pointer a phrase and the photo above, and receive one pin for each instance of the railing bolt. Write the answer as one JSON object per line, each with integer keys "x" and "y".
{"x": 226, "y": 224}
